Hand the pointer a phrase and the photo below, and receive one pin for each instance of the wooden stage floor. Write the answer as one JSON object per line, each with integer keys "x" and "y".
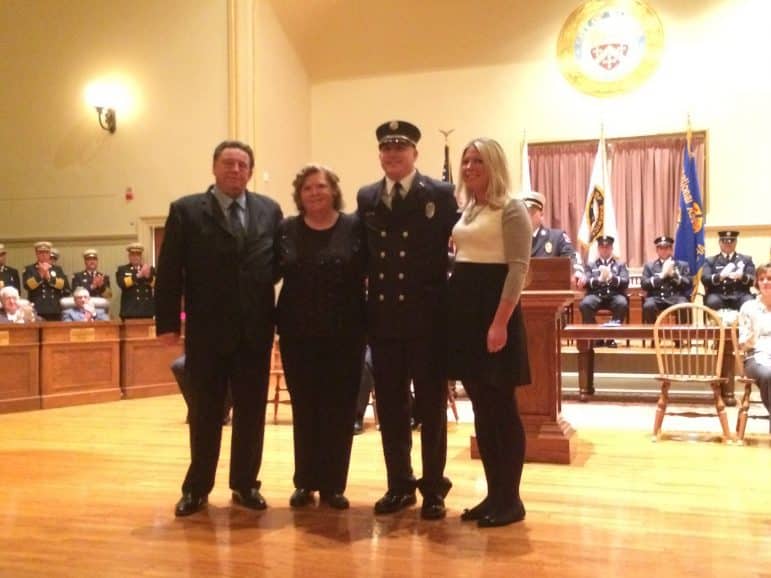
{"x": 89, "y": 491}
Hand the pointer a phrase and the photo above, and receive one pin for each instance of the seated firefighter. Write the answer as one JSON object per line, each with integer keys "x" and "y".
{"x": 728, "y": 276}
{"x": 666, "y": 282}
{"x": 606, "y": 282}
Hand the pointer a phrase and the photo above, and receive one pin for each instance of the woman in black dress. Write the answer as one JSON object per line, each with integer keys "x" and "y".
{"x": 321, "y": 328}
{"x": 488, "y": 347}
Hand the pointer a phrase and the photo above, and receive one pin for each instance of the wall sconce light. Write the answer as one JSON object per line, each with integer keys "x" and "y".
{"x": 106, "y": 118}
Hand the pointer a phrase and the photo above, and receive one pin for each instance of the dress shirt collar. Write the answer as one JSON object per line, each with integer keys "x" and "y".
{"x": 225, "y": 201}
{"x": 406, "y": 183}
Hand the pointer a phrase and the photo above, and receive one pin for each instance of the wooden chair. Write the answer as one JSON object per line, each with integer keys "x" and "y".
{"x": 747, "y": 382}
{"x": 276, "y": 377}
{"x": 689, "y": 341}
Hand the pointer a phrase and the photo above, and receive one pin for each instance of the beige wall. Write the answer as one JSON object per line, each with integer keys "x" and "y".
{"x": 61, "y": 175}
{"x": 714, "y": 68}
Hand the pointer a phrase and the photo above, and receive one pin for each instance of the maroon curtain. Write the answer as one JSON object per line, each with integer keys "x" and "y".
{"x": 645, "y": 184}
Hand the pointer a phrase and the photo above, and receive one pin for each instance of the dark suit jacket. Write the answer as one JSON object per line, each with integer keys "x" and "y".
{"x": 227, "y": 282}
{"x": 407, "y": 258}
{"x": 9, "y": 276}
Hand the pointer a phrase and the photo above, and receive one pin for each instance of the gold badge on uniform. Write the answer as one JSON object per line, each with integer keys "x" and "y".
{"x": 430, "y": 210}
{"x": 548, "y": 247}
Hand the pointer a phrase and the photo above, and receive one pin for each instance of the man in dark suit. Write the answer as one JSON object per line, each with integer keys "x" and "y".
{"x": 97, "y": 283}
{"x": 606, "y": 282}
{"x": 728, "y": 276}
{"x": 218, "y": 254}
{"x": 9, "y": 277}
{"x": 550, "y": 242}
{"x": 666, "y": 281}
{"x": 408, "y": 219}
{"x": 46, "y": 283}
{"x": 137, "y": 283}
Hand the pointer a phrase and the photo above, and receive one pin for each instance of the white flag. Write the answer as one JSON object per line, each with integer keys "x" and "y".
{"x": 599, "y": 217}
{"x": 526, "y": 186}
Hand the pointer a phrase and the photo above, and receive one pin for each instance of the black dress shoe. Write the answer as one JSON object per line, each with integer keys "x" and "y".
{"x": 358, "y": 427}
{"x": 477, "y": 512}
{"x": 335, "y": 500}
{"x": 433, "y": 507}
{"x": 504, "y": 517}
{"x": 189, "y": 504}
{"x": 392, "y": 502}
{"x": 301, "y": 497}
{"x": 250, "y": 498}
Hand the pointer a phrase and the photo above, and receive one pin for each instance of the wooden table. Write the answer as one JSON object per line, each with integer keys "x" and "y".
{"x": 145, "y": 361}
{"x": 20, "y": 362}
{"x": 80, "y": 363}
{"x": 584, "y": 335}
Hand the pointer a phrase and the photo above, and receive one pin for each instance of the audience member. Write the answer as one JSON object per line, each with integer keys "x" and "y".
{"x": 667, "y": 282}
{"x": 46, "y": 283}
{"x": 9, "y": 277}
{"x": 755, "y": 334}
{"x": 13, "y": 310}
{"x": 606, "y": 282}
{"x": 137, "y": 282}
{"x": 83, "y": 310}
{"x": 96, "y": 282}
{"x": 728, "y": 276}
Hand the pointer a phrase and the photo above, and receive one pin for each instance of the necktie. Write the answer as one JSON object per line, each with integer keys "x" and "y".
{"x": 396, "y": 197}
{"x": 236, "y": 226}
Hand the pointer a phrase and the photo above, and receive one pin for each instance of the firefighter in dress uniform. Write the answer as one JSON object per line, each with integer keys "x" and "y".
{"x": 667, "y": 282}
{"x": 46, "y": 283}
{"x": 137, "y": 282}
{"x": 408, "y": 219}
{"x": 606, "y": 282}
{"x": 9, "y": 277}
{"x": 728, "y": 276}
{"x": 97, "y": 283}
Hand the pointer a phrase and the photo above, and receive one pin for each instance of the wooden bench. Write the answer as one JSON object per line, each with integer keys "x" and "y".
{"x": 585, "y": 335}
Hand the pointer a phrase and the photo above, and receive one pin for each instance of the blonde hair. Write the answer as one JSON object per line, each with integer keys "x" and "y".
{"x": 495, "y": 160}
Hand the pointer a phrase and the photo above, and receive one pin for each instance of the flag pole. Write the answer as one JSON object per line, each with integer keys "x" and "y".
{"x": 688, "y": 135}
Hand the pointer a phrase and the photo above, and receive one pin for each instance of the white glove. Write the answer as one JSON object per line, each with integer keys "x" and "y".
{"x": 604, "y": 273}
{"x": 668, "y": 268}
{"x": 739, "y": 272}
{"x": 727, "y": 270}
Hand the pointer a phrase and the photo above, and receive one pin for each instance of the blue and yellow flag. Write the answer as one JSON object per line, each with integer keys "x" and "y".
{"x": 689, "y": 239}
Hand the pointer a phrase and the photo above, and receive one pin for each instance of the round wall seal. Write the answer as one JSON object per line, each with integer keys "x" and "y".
{"x": 608, "y": 47}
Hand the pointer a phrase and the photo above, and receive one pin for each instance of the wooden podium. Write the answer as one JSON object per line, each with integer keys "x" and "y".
{"x": 80, "y": 363}
{"x": 145, "y": 361}
{"x": 549, "y": 436}
{"x": 20, "y": 360}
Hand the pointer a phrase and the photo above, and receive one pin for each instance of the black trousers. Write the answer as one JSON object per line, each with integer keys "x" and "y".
{"x": 735, "y": 301}
{"x": 322, "y": 375}
{"x": 501, "y": 441}
{"x": 652, "y": 306}
{"x": 591, "y": 303}
{"x": 396, "y": 363}
{"x": 208, "y": 373}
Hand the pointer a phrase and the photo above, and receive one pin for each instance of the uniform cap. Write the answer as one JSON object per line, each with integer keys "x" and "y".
{"x": 728, "y": 235}
{"x": 43, "y": 246}
{"x": 90, "y": 253}
{"x": 664, "y": 241}
{"x": 135, "y": 248}
{"x": 534, "y": 199}
{"x": 54, "y": 252}
{"x": 605, "y": 240}
{"x": 397, "y": 131}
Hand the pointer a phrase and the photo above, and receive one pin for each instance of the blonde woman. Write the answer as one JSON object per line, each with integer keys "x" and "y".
{"x": 488, "y": 346}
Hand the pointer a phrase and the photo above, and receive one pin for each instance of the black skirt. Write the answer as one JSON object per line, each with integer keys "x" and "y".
{"x": 474, "y": 294}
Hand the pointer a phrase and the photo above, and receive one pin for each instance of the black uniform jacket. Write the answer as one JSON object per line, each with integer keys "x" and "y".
{"x": 407, "y": 258}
